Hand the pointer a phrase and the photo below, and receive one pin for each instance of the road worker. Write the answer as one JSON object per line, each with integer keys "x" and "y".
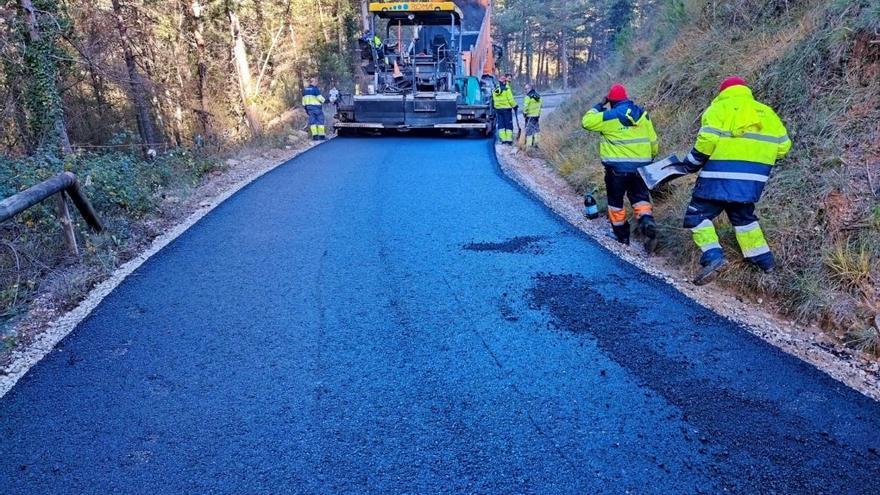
{"x": 740, "y": 140}
{"x": 628, "y": 142}
{"x": 313, "y": 102}
{"x": 372, "y": 39}
{"x": 532, "y": 113}
{"x": 505, "y": 104}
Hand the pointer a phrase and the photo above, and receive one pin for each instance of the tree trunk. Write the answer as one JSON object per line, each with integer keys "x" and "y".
{"x": 540, "y": 62}
{"x": 529, "y": 55}
{"x": 365, "y": 14}
{"x": 563, "y": 42}
{"x": 42, "y": 62}
{"x": 546, "y": 80}
{"x": 45, "y": 71}
{"x": 14, "y": 101}
{"x": 201, "y": 70}
{"x": 322, "y": 22}
{"x": 180, "y": 88}
{"x": 243, "y": 71}
{"x": 294, "y": 44}
{"x": 340, "y": 30}
{"x": 522, "y": 52}
{"x": 138, "y": 90}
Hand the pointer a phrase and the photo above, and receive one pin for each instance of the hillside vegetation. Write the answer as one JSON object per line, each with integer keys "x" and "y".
{"x": 143, "y": 100}
{"x": 818, "y": 64}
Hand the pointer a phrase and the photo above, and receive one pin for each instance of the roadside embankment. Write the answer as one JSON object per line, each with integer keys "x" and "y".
{"x": 818, "y": 64}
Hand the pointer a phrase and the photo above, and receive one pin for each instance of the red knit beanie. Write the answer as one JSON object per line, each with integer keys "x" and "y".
{"x": 731, "y": 81}
{"x": 617, "y": 93}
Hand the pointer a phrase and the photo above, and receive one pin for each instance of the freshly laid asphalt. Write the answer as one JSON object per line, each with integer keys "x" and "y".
{"x": 391, "y": 315}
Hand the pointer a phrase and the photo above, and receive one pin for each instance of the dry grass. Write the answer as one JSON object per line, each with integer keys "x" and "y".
{"x": 818, "y": 64}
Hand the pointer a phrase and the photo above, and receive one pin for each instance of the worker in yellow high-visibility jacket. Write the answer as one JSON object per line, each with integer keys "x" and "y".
{"x": 739, "y": 142}
{"x": 532, "y": 112}
{"x": 313, "y": 103}
{"x": 505, "y": 104}
{"x": 628, "y": 142}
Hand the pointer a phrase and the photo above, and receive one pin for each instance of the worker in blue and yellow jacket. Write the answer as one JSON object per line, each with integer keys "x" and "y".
{"x": 628, "y": 142}
{"x": 739, "y": 142}
{"x": 505, "y": 104}
{"x": 313, "y": 103}
{"x": 532, "y": 113}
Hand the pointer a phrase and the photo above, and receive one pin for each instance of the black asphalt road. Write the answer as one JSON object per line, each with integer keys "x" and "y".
{"x": 391, "y": 315}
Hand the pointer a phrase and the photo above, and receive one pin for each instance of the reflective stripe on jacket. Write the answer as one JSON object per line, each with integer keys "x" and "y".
{"x": 739, "y": 142}
{"x": 502, "y": 97}
{"x": 312, "y": 96}
{"x": 628, "y": 137}
{"x": 532, "y": 104}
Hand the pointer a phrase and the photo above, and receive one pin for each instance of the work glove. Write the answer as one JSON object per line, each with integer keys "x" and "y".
{"x": 691, "y": 166}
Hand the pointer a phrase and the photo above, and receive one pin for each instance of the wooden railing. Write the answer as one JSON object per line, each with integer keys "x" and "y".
{"x": 60, "y": 185}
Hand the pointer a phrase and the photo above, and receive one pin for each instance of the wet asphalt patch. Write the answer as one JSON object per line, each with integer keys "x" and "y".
{"x": 752, "y": 441}
{"x": 527, "y": 244}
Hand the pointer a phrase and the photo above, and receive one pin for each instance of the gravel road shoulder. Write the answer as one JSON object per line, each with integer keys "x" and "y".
{"x": 807, "y": 343}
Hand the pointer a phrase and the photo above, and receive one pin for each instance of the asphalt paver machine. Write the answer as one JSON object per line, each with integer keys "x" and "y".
{"x": 422, "y": 70}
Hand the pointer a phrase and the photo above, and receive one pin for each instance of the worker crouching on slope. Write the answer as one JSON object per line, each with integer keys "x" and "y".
{"x": 628, "y": 142}
{"x": 740, "y": 140}
{"x": 532, "y": 113}
{"x": 313, "y": 102}
{"x": 504, "y": 103}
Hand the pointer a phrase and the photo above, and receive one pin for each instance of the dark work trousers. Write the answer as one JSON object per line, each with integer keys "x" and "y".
{"x": 316, "y": 119}
{"x": 504, "y": 124}
{"x": 631, "y": 185}
{"x": 699, "y": 215}
{"x": 533, "y": 128}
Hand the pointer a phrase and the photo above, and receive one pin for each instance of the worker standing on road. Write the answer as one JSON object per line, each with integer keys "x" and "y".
{"x": 740, "y": 140}
{"x": 532, "y": 113}
{"x": 313, "y": 102}
{"x": 628, "y": 142}
{"x": 504, "y": 103}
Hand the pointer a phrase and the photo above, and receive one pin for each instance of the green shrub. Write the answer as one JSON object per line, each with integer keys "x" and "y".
{"x": 122, "y": 187}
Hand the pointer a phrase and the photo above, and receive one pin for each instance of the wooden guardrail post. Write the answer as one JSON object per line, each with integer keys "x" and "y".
{"x": 66, "y": 224}
{"x": 60, "y": 185}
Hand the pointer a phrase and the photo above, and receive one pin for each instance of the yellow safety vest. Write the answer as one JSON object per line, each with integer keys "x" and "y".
{"x": 628, "y": 137}
{"x": 502, "y": 97}
{"x": 739, "y": 142}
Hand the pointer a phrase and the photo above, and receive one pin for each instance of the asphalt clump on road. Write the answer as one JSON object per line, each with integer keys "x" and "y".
{"x": 753, "y": 441}
{"x": 528, "y": 244}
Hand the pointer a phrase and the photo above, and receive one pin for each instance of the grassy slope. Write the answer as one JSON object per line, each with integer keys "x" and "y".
{"x": 816, "y": 64}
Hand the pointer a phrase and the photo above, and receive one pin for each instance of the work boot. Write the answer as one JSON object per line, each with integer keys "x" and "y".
{"x": 621, "y": 233}
{"x": 612, "y": 235}
{"x": 765, "y": 262}
{"x": 710, "y": 271}
{"x": 649, "y": 229}
{"x": 651, "y": 245}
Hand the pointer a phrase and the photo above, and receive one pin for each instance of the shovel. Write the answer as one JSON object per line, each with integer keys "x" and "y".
{"x": 662, "y": 171}
{"x": 516, "y": 123}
